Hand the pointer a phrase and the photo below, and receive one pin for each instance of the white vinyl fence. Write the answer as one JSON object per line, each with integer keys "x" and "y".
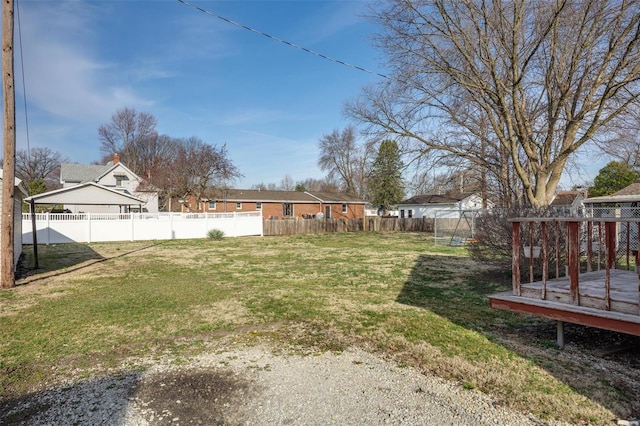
{"x": 58, "y": 228}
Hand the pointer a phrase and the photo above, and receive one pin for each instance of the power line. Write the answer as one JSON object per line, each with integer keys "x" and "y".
{"x": 24, "y": 87}
{"x": 279, "y": 40}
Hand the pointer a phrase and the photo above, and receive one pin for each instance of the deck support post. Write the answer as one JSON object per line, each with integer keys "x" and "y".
{"x": 573, "y": 261}
{"x": 515, "y": 258}
{"x": 560, "y": 336}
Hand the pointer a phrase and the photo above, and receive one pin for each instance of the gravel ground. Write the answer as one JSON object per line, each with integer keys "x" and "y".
{"x": 254, "y": 386}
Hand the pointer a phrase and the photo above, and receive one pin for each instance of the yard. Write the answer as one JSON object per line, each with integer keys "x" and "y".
{"x": 93, "y": 307}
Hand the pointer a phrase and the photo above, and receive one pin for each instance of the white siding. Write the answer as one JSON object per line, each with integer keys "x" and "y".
{"x": 17, "y": 224}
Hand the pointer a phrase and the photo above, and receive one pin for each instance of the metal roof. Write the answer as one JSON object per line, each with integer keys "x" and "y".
{"x": 88, "y": 193}
{"x": 628, "y": 194}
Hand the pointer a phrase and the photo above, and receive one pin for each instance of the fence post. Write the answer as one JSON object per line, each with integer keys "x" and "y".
{"x": 515, "y": 259}
{"x": 89, "y": 227}
{"x": 48, "y": 228}
{"x": 132, "y": 226}
{"x": 435, "y": 227}
{"x": 573, "y": 260}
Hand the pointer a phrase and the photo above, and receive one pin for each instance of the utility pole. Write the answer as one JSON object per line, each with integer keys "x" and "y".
{"x": 9, "y": 166}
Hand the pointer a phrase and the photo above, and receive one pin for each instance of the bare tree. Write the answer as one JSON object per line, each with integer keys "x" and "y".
{"x": 199, "y": 168}
{"x": 192, "y": 168}
{"x": 132, "y": 135}
{"x": 344, "y": 159}
{"x": 319, "y": 185}
{"x": 39, "y": 165}
{"x": 287, "y": 184}
{"x": 545, "y": 77}
{"x": 623, "y": 141}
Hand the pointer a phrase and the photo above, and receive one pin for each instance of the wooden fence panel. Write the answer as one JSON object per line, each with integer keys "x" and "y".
{"x": 320, "y": 226}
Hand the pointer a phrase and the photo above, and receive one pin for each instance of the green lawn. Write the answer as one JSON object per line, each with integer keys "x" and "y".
{"x": 393, "y": 293}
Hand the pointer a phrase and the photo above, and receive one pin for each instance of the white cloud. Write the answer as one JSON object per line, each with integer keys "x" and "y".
{"x": 62, "y": 73}
{"x": 251, "y": 116}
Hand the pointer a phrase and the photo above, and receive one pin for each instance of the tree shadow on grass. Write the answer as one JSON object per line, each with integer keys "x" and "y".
{"x": 592, "y": 355}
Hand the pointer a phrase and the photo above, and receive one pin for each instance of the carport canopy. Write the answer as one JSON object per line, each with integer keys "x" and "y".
{"x": 88, "y": 193}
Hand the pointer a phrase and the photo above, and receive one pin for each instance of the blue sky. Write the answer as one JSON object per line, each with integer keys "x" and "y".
{"x": 199, "y": 76}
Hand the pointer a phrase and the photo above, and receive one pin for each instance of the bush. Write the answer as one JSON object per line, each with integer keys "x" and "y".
{"x": 493, "y": 237}
{"x": 215, "y": 234}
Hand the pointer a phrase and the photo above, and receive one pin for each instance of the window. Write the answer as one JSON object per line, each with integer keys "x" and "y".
{"x": 401, "y": 213}
{"x": 409, "y": 214}
{"x": 238, "y": 205}
{"x": 287, "y": 209}
{"x": 212, "y": 205}
{"x": 258, "y": 205}
{"x": 344, "y": 208}
{"x": 120, "y": 180}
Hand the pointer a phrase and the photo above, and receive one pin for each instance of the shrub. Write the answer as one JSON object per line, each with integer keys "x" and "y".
{"x": 215, "y": 234}
{"x": 493, "y": 237}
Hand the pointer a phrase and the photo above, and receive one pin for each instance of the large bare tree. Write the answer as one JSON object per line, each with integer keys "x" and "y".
{"x": 544, "y": 77}
{"x": 39, "y": 165}
{"x": 196, "y": 169}
{"x": 132, "y": 135}
{"x": 344, "y": 159}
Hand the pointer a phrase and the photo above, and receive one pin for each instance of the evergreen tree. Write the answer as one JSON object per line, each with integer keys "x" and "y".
{"x": 612, "y": 178}
{"x": 386, "y": 186}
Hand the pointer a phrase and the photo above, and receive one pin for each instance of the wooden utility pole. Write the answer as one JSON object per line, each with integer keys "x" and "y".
{"x": 9, "y": 166}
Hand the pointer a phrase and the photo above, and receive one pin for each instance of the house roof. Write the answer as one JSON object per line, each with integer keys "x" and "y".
{"x": 18, "y": 184}
{"x": 628, "y": 194}
{"x": 73, "y": 172}
{"x": 336, "y": 197}
{"x": 565, "y": 198}
{"x": 255, "y": 195}
{"x": 88, "y": 193}
{"x": 450, "y": 198}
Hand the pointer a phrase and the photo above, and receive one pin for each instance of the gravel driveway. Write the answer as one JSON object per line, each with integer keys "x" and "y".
{"x": 254, "y": 386}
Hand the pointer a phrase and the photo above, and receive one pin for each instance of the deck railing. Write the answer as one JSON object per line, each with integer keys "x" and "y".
{"x": 572, "y": 246}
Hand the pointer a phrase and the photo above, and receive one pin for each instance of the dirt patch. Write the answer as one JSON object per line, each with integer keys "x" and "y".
{"x": 193, "y": 397}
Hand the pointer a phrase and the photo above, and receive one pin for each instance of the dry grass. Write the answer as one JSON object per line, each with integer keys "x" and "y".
{"x": 392, "y": 293}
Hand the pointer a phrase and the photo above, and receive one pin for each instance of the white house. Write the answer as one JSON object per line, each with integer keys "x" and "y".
{"x": 441, "y": 206}
{"x": 19, "y": 195}
{"x": 113, "y": 175}
{"x": 568, "y": 202}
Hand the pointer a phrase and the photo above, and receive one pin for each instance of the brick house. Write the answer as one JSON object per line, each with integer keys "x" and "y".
{"x": 280, "y": 204}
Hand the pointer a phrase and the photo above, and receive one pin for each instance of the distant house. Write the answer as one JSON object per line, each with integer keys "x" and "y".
{"x": 20, "y": 193}
{"x": 568, "y": 202}
{"x": 623, "y": 203}
{"x": 443, "y": 206}
{"x": 115, "y": 176}
{"x": 280, "y": 204}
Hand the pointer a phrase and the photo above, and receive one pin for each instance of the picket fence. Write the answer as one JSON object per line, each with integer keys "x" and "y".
{"x": 59, "y": 228}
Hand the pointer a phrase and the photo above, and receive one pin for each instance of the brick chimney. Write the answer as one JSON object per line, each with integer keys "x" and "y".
{"x": 116, "y": 158}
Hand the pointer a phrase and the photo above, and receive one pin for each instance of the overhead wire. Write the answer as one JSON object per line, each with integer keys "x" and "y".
{"x": 280, "y": 40}
{"x": 24, "y": 86}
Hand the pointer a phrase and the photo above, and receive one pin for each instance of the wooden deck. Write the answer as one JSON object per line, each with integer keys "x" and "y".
{"x": 623, "y": 315}
{"x": 608, "y": 298}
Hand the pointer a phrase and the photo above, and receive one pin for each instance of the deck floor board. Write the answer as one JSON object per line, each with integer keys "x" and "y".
{"x": 623, "y": 285}
{"x": 624, "y": 315}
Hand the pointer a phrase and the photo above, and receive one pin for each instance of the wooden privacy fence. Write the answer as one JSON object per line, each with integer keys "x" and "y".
{"x": 318, "y": 226}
